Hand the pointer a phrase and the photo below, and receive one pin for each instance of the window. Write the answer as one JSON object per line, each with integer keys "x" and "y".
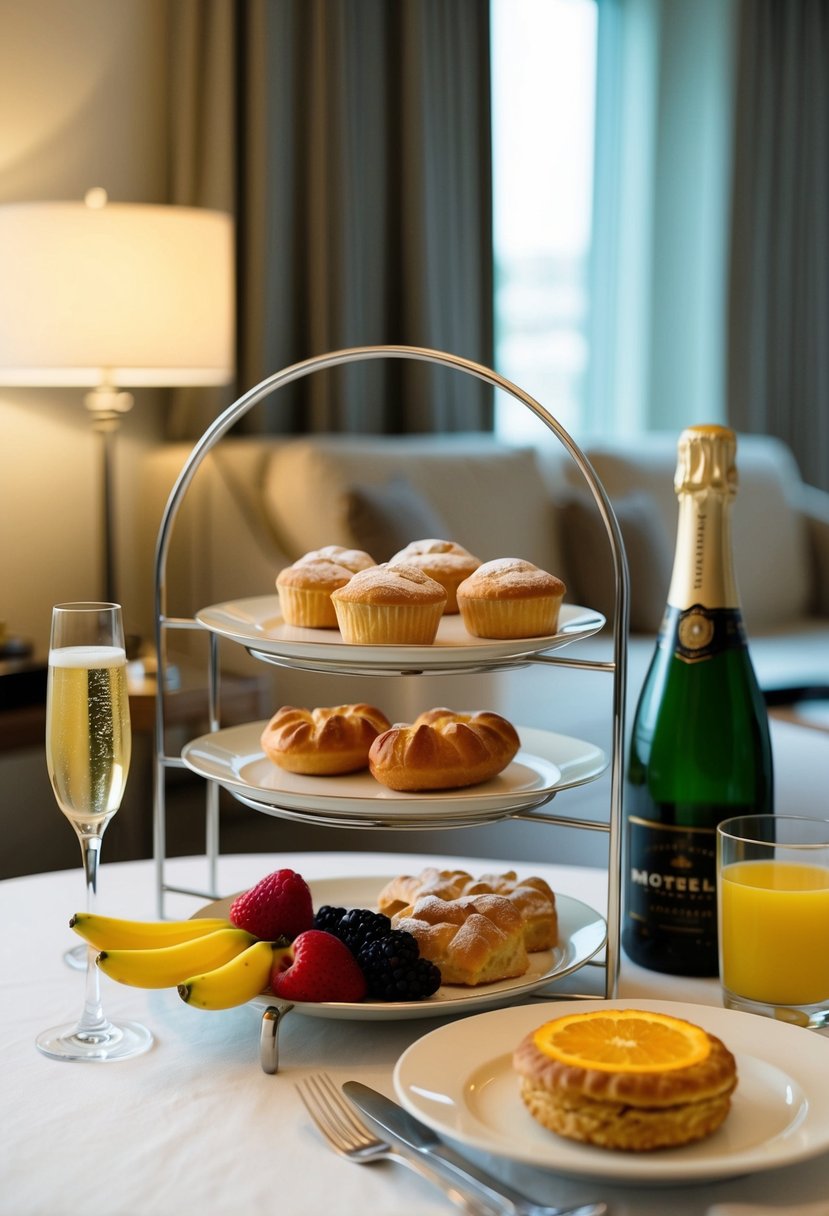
{"x": 543, "y": 111}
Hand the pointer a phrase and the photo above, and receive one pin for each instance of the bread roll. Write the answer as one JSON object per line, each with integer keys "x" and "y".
{"x": 322, "y": 742}
{"x": 442, "y": 750}
{"x": 474, "y": 940}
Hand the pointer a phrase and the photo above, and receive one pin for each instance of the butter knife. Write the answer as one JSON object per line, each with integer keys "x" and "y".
{"x": 416, "y": 1136}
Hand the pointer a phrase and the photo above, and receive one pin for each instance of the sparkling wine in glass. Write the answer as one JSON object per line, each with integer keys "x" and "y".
{"x": 88, "y": 746}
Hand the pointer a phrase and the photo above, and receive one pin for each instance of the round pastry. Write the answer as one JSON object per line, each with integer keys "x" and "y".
{"x": 474, "y": 940}
{"x": 305, "y": 592}
{"x": 322, "y": 742}
{"x": 443, "y": 750}
{"x": 678, "y": 1091}
{"x": 533, "y": 898}
{"x": 352, "y": 559}
{"x": 389, "y": 605}
{"x": 510, "y": 598}
{"x": 444, "y": 561}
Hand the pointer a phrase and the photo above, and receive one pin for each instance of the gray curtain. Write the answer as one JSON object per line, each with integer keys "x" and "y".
{"x": 351, "y": 138}
{"x": 778, "y": 374}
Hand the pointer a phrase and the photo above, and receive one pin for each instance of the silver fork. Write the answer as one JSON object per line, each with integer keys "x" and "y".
{"x": 346, "y": 1133}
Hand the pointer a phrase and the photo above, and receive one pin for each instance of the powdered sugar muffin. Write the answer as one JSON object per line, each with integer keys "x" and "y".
{"x": 352, "y": 559}
{"x": 305, "y": 592}
{"x": 395, "y": 605}
{"x": 445, "y": 561}
{"x": 510, "y": 598}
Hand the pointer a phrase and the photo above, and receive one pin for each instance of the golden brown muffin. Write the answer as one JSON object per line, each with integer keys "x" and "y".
{"x": 443, "y": 750}
{"x": 443, "y": 560}
{"x": 352, "y": 559}
{"x": 305, "y": 592}
{"x": 389, "y": 605}
{"x": 324, "y": 741}
{"x": 510, "y": 598}
{"x": 532, "y": 898}
{"x": 632, "y": 1110}
{"x": 474, "y": 940}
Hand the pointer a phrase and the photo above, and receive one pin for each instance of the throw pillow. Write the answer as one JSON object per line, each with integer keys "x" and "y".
{"x": 649, "y": 553}
{"x": 384, "y": 518}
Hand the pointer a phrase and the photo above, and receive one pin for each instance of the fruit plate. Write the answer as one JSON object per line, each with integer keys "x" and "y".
{"x": 459, "y": 1080}
{"x": 546, "y": 764}
{"x": 257, "y": 624}
{"x": 582, "y": 934}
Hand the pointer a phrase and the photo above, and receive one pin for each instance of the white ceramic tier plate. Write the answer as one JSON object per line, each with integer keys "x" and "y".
{"x": 459, "y": 1080}
{"x": 582, "y": 934}
{"x": 257, "y": 624}
{"x": 545, "y": 764}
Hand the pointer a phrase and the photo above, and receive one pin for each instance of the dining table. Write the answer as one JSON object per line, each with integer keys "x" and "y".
{"x": 196, "y": 1125}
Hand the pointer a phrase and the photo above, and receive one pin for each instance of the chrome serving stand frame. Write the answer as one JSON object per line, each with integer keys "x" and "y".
{"x": 164, "y": 624}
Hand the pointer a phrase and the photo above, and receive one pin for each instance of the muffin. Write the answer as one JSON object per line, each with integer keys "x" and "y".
{"x": 352, "y": 559}
{"x": 443, "y": 560}
{"x": 305, "y": 592}
{"x": 510, "y": 598}
{"x": 389, "y": 605}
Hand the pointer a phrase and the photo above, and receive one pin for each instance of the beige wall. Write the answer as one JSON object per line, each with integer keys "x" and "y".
{"x": 81, "y": 103}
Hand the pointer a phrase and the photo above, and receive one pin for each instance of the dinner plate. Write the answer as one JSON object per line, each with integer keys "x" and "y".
{"x": 546, "y": 763}
{"x": 258, "y": 624}
{"x": 582, "y": 934}
{"x": 459, "y": 1080}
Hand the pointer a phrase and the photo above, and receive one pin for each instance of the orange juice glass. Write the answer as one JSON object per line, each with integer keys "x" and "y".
{"x": 773, "y": 909}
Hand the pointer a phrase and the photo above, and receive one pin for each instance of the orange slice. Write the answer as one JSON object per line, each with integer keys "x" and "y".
{"x": 623, "y": 1040}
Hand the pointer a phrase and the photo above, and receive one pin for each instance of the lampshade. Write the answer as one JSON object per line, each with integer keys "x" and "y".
{"x": 133, "y": 294}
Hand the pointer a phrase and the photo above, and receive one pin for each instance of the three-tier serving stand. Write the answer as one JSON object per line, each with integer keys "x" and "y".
{"x": 614, "y": 667}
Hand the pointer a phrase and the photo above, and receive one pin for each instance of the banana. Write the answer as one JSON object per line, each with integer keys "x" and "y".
{"x": 243, "y": 978}
{"x": 112, "y": 933}
{"x": 167, "y": 966}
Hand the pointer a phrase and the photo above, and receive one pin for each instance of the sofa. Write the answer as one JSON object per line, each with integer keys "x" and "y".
{"x": 256, "y": 504}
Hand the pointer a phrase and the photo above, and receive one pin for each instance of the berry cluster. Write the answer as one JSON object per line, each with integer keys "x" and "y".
{"x": 388, "y": 958}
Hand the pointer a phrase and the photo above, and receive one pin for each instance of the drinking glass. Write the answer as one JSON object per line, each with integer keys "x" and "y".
{"x": 88, "y": 745}
{"x": 773, "y": 897}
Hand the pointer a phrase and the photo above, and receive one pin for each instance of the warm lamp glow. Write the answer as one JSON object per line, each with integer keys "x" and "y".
{"x": 122, "y": 293}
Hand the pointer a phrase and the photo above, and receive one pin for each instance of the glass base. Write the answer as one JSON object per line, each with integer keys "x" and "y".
{"x": 76, "y": 957}
{"x": 813, "y": 1017}
{"x": 107, "y": 1042}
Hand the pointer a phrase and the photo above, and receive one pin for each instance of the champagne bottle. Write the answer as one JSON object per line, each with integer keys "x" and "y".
{"x": 700, "y": 749}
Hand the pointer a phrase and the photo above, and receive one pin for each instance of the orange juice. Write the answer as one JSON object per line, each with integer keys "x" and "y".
{"x": 774, "y": 931}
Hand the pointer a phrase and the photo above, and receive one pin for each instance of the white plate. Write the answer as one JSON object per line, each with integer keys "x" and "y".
{"x": 582, "y": 934}
{"x": 459, "y": 1080}
{"x": 545, "y": 764}
{"x": 257, "y": 624}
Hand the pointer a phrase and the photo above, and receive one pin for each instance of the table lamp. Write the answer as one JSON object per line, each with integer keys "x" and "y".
{"x": 112, "y": 296}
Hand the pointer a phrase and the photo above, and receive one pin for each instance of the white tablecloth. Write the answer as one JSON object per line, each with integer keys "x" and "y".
{"x": 195, "y": 1125}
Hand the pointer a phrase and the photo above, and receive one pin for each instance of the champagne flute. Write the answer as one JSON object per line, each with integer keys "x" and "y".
{"x": 88, "y": 745}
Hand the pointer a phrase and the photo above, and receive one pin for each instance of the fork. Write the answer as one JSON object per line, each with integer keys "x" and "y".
{"x": 346, "y": 1133}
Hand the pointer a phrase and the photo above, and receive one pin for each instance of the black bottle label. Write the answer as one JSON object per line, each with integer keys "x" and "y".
{"x": 672, "y": 878}
{"x": 698, "y": 633}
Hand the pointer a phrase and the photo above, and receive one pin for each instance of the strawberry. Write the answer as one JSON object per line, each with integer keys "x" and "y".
{"x": 317, "y": 967}
{"x": 278, "y": 906}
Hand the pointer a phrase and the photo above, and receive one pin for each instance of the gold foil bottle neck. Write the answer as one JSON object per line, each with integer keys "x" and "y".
{"x": 706, "y": 460}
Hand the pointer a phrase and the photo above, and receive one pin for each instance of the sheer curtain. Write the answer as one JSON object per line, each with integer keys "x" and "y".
{"x": 352, "y": 141}
{"x": 779, "y": 292}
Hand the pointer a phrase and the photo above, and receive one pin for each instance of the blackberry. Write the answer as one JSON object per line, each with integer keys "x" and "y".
{"x": 395, "y": 971}
{"x": 354, "y": 926}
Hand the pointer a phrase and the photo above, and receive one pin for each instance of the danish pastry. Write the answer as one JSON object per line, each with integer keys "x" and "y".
{"x": 325, "y": 741}
{"x": 442, "y": 750}
{"x": 473, "y": 940}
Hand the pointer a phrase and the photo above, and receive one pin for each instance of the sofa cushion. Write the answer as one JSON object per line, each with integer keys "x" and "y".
{"x": 490, "y": 496}
{"x": 648, "y": 546}
{"x": 384, "y": 519}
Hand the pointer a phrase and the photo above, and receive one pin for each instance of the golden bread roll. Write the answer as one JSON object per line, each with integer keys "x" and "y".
{"x": 533, "y": 898}
{"x": 474, "y": 940}
{"x": 389, "y": 605}
{"x": 305, "y": 589}
{"x": 627, "y": 1109}
{"x": 325, "y": 741}
{"x": 443, "y": 750}
{"x": 510, "y": 598}
{"x": 352, "y": 559}
{"x": 443, "y": 560}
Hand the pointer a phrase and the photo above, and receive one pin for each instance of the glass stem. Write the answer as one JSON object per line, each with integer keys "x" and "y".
{"x": 92, "y": 1019}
